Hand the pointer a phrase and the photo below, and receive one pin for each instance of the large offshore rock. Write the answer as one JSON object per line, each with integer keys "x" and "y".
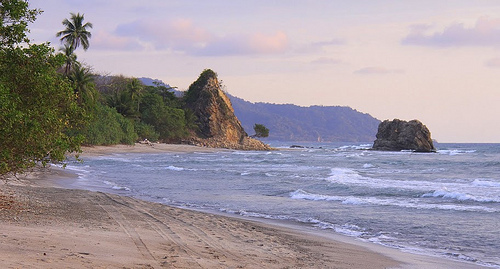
{"x": 217, "y": 125}
{"x": 397, "y": 135}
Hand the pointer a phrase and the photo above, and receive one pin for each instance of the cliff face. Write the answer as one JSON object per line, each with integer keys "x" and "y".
{"x": 399, "y": 135}
{"x": 218, "y": 126}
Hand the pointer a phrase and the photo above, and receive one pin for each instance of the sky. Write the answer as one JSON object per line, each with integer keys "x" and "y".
{"x": 435, "y": 61}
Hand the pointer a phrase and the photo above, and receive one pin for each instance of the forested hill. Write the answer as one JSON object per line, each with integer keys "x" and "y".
{"x": 295, "y": 123}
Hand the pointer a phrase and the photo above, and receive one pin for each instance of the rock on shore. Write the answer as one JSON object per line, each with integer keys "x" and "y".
{"x": 218, "y": 127}
{"x": 397, "y": 135}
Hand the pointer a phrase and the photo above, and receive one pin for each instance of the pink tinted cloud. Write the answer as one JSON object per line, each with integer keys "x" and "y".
{"x": 486, "y": 32}
{"x": 265, "y": 44}
{"x": 252, "y": 44}
{"x": 493, "y": 63}
{"x": 184, "y": 36}
{"x": 176, "y": 34}
{"x": 376, "y": 70}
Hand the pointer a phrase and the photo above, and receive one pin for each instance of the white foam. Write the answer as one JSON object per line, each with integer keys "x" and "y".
{"x": 449, "y": 195}
{"x": 115, "y": 186}
{"x": 485, "y": 183}
{"x": 344, "y": 175}
{"x": 399, "y": 202}
{"x": 174, "y": 168}
{"x": 453, "y": 152}
{"x": 480, "y": 190}
{"x": 459, "y": 196}
{"x": 356, "y": 147}
{"x": 346, "y": 229}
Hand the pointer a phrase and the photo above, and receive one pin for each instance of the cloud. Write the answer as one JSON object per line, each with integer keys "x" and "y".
{"x": 375, "y": 70}
{"x": 182, "y": 35}
{"x": 176, "y": 34}
{"x": 493, "y": 63}
{"x": 253, "y": 44}
{"x": 486, "y": 32}
{"x": 326, "y": 61}
{"x": 320, "y": 45}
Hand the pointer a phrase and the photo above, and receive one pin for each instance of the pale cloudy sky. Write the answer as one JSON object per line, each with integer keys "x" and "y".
{"x": 436, "y": 61}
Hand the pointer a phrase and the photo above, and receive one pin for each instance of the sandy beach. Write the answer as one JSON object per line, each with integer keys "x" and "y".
{"x": 46, "y": 226}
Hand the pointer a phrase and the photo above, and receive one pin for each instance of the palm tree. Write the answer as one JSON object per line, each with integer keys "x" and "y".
{"x": 76, "y": 32}
{"x": 135, "y": 88}
{"x": 70, "y": 58}
{"x": 82, "y": 80}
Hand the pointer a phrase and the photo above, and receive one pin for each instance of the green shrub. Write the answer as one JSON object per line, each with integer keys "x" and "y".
{"x": 146, "y": 131}
{"x": 109, "y": 127}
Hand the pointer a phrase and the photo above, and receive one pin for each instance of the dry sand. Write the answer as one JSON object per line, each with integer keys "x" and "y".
{"x": 48, "y": 227}
{"x": 144, "y": 148}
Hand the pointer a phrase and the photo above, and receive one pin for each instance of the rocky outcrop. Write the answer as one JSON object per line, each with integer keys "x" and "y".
{"x": 397, "y": 135}
{"x": 218, "y": 127}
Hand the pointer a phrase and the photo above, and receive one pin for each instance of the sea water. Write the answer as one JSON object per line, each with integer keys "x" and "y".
{"x": 445, "y": 203}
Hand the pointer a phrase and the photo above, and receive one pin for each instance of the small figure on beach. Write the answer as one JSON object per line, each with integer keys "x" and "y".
{"x": 146, "y": 141}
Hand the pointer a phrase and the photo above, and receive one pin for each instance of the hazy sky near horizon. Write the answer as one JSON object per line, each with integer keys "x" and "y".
{"x": 436, "y": 61}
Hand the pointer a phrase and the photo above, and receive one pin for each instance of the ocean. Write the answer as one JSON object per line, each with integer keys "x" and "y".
{"x": 443, "y": 204}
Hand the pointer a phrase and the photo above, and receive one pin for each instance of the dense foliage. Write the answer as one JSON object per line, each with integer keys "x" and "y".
{"x": 260, "y": 130}
{"x": 14, "y": 18}
{"x": 195, "y": 89}
{"x": 156, "y": 112}
{"x": 37, "y": 105}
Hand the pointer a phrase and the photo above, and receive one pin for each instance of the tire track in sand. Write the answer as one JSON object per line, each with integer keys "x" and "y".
{"x": 209, "y": 249}
{"x": 116, "y": 212}
{"x": 217, "y": 252}
{"x": 188, "y": 255}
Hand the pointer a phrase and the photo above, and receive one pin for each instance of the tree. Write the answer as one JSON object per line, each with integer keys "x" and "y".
{"x": 37, "y": 104}
{"x": 70, "y": 57}
{"x": 260, "y": 130}
{"x": 14, "y": 18}
{"x": 169, "y": 122}
{"x": 37, "y": 109}
{"x": 135, "y": 88}
{"x": 83, "y": 86}
{"x": 76, "y": 32}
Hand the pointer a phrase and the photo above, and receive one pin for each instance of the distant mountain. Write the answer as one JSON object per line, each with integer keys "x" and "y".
{"x": 151, "y": 82}
{"x": 315, "y": 123}
{"x": 295, "y": 123}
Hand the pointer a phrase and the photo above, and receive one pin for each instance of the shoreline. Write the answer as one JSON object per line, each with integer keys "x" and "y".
{"x": 50, "y": 227}
{"x": 280, "y": 243}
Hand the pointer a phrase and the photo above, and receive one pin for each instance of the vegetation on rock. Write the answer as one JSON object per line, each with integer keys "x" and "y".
{"x": 260, "y": 130}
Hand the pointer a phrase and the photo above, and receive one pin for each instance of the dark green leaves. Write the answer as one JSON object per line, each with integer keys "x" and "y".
{"x": 37, "y": 109}
{"x": 260, "y": 130}
{"x": 14, "y": 18}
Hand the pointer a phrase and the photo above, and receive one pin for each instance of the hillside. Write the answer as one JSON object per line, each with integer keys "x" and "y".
{"x": 295, "y": 123}
{"x": 315, "y": 123}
